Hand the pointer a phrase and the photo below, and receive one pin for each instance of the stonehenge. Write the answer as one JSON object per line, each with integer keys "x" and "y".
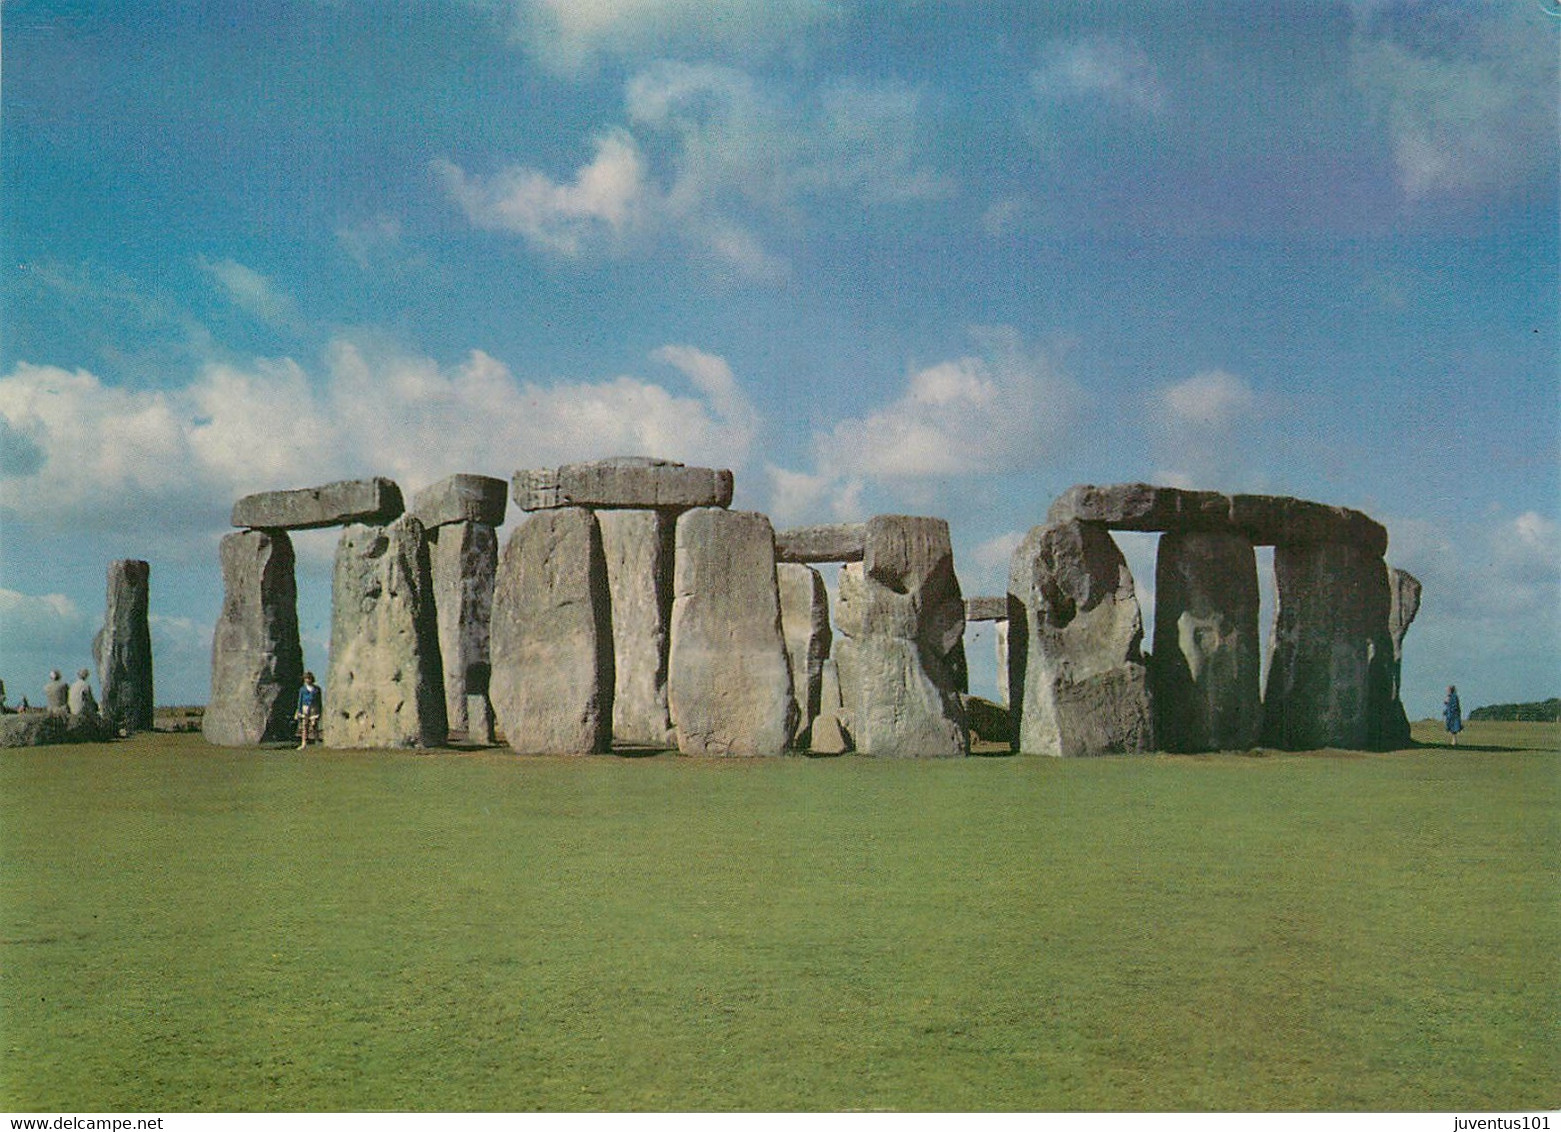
{"x": 631, "y": 607}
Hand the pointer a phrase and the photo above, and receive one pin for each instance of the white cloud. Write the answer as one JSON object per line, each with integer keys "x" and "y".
{"x": 570, "y": 36}
{"x": 714, "y": 159}
{"x": 253, "y": 293}
{"x": 1003, "y": 409}
{"x": 182, "y": 455}
{"x": 37, "y": 633}
{"x": 1468, "y": 104}
{"x": 1100, "y": 69}
{"x": 603, "y": 204}
{"x": 1205, "y": 429}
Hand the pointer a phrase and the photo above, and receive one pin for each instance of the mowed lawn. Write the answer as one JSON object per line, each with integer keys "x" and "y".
{"x": 188, "y": 928}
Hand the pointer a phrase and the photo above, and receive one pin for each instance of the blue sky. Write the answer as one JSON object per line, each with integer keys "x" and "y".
{"x": 936, "y": 258}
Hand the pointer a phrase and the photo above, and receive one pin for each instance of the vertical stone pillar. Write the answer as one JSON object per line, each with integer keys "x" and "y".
{"x": 902, "y": 623}
{"x": 1403, "y": 604}
{"x": 1206, "y": 665}
{"x": 829, "y": 734}
{"x": 805, "y": 624}
{"x": 551, "y": 640}
{"x": 1077, "y": 681}
{"x": 637, "y": 546}
{"x": 728, "y": 682}
{"x": 1330, "y": 649}
{"x": 257, "y": 662}
{"x": 463, "y": 560}
{"x": 123, "y": 647}
{"x": 385, "y": 687}
{"x": 1002, "y": 661}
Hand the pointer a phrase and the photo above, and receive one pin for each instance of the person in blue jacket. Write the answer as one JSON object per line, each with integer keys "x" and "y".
{"x": 310, "y": 700}
{"x": 1452, "y": 713}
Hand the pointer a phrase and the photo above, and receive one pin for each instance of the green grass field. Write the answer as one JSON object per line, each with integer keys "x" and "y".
{"x": 187, "y": 928}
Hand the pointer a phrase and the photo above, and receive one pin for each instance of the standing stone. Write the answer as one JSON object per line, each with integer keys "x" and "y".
{"x": 257, "y": 662}
{"x": 829, "y": 732}
{"x": 463, "y": 558}
{"x": 1077, "y": 681}
{"x": 902, "y": 624}
{"x": 637, "y": 546}
{"x": 728, "y": 682}
{"x": 123, "y": 648}
{"x": 1206, "y": 664}
{"x": 479, "y": 719}
{"x": 805, "y": 624}
{"x": 1330, "y": 651}
{"x": 385, "y": 687}
{"x": 551, "y": 642}
{"x": 1403, "y": 603}
{"x": 1002, "y": 662}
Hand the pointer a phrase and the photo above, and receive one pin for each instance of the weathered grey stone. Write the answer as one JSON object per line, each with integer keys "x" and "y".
{"x": 1329, "y": 657}
{"x": 479, "y": 719}
{"x": 729, "y": 683}
{"x": 123, "y": 647}
{"x": 373, "y": 501}
{"x": 902, "y": 623}
{"x": 463, "y": 559}
{"x": 1206, "y": 665}
{"x": 1403, "y": 603}
{"x": 826, "y": 542}
{"x": 1077, "y": 681}
{"x": 46, "y": 728}
{"x": 551, "y": 642}
{"x": 626, "y": 481}
{"x": 462, "y": 499}
{"x": 1140, "y": 507}
{"x": 1002, "y": 662}
{"x": 257, "y": 662}
{"x": 1268, "y": 520}
{"x": 385, "y": 687}
{"x": 805, "y": 624}
{"x": 637, "y": 546}
{"x": 828, "y": 735}
{"x": 986, "y": 608}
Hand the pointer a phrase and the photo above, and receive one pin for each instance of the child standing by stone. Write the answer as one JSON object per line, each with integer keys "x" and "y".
{"x": 308, "y": 713}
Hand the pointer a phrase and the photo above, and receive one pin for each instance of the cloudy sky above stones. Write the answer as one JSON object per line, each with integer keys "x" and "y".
{"x": 943, "y": 258}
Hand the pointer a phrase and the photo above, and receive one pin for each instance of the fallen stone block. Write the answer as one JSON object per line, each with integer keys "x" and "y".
{"x": 374, "y": 502}
{"x": 47, "y": 728}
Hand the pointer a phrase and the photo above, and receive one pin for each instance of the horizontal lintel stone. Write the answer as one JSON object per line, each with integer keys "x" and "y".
{"x": 1268, "y": 520}
{"x": 986, "y": 608}
{"x": 462, "y": 498}
{"x": 623, "y": 482}
{"x": 374, "y": 501}
{"x": 826, "y": 542}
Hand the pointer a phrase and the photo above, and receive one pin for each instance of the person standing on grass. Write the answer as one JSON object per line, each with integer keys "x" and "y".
{"x": 56, "y": 692}
{"x": 308, "y": 713}
{"x": 1452, "y": 713}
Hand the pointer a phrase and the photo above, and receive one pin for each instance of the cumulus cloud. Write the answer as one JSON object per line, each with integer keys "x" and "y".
{"x": 1467, "y": 99}
{"x": 1102, "y": 70}
{"x": 1204, "y": 428}
{"x": 1004, "y": 408}
{"x": 37, "y": 633}
{"x": 571, "y": 36}
{"x": 183, "y": 454}
{"x": 712, "y": 158}
{"x": 603, "y": 204}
